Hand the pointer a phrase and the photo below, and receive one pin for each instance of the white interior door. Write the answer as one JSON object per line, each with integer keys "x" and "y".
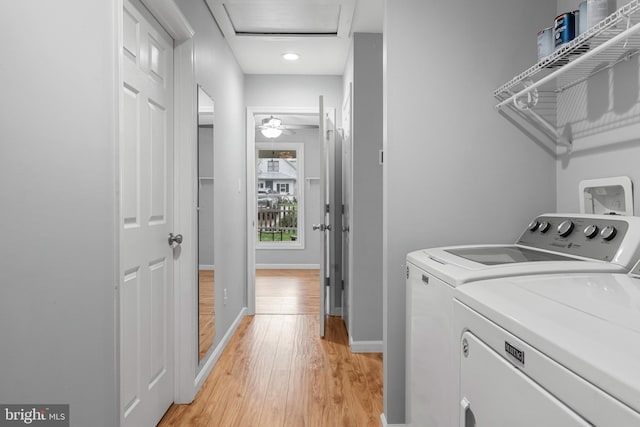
{"x": 324, "y": 202}
{"x": 146, "y": 185}
{"x": 347, "y": 185}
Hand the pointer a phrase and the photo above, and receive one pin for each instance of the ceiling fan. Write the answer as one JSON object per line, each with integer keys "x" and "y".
{"x": 272, "y": 127}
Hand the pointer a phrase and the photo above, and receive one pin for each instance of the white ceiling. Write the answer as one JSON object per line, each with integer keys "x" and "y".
{"x": 260, "y": 31}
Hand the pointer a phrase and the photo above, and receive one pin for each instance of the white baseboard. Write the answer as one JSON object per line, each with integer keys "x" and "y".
{"x": 365, "y": 346}
{"x": 383, "y": 422}
{"x": 213, "y": 358}
{"x": 287, "y": 266}
{"x": 207, "y": 267}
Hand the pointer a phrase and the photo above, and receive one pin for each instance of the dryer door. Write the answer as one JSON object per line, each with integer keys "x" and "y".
{"x": 495, "y": 393}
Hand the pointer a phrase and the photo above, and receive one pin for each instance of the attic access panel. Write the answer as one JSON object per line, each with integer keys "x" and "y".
{"x": 283, "y": 18}
{"x": 289, "y": 18}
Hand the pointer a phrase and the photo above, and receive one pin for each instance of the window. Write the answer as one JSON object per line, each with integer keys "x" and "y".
{"x": 273, "y": 165}
{"x": 279, "y": 174}
{"x": 283, "y": 188}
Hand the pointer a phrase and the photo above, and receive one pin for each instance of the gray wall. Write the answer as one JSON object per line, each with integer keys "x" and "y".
{"x": 603, "y": 116}
{"x": 58, "y": 218}
{"x": 312, "y": 211}
{"x": 220, "y": 76}
{"x": 364, "y": 71}
{"x": 455, "y": 171}
{"x": 292, "y": 91}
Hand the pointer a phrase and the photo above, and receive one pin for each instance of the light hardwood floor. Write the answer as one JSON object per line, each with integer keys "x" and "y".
{"x": 287, "y": 291}
{"x": 276, "y": 371}
{"x": 206, "y": 313}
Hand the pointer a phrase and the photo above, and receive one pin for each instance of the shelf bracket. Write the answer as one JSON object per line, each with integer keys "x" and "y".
{"x": 628, "y": 17}
{"x": 562, "y": 140}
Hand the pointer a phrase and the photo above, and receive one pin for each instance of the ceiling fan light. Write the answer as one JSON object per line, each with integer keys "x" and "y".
{"x": 271, "y": 132}
{"x": 290, "y": 56}
{"x": 274, "y": 122}
{"x": 271, "y": 121}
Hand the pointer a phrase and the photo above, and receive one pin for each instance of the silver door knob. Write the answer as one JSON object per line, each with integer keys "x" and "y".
{"x": 320, "y": 227}
{"x": 175, "y": 239}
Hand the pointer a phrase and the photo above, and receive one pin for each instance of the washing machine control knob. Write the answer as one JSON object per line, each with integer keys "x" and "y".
{"x": 591, "y": 231}
{"x": 533, "y": 225}
{"x": 544, "y": 226}
{"x": 565, "y": 228}
{"x": 608, "y": 233}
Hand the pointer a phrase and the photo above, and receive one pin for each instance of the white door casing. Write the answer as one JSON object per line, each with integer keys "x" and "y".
{"x": 324, "y": 196}
{"x": 252, "y": 209}
{"x": 146, "y": 215}
{"x": 252, "y": 188}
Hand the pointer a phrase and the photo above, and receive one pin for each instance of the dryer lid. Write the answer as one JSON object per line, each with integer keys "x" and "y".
{"x": 511, "y": 254}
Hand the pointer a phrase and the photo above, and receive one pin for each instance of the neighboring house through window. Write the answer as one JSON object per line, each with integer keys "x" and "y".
{"x": 280, "y": 198}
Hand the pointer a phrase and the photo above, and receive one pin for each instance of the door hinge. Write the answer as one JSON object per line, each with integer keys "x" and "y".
{"x": 343, "y": 209}
{"x": 327, "y": 281}
{"x": 342, "y": 283}
{"x": 327, "y": 208}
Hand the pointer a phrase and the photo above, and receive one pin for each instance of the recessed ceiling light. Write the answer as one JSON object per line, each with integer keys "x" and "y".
{"x": 290, "y": 56}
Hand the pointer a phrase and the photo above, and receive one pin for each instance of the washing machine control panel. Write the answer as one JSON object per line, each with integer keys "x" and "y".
{"x": 596, "y": 238}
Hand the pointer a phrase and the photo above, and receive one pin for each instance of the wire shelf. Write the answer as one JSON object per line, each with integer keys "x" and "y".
{"x": 614, "y": 39}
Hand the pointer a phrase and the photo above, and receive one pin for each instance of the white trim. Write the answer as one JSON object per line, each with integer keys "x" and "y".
{"x": 118, "y": 7}
{"x": 250, "y": 144}
{"x": 184, "y": 315}
{"x": 184, "y": 310}
{"x": 251, "y": 189}
{"x": 366, "y": 346}
{"x": 383, "y": 422}
{"x": 185, "y": 194}
{"x": 215, "y": 355}
{"x": 207, "y": 267}
{"x": 251, "y": 211}
{"x": 287, "y": 266}
{"x": 171, "y": 18}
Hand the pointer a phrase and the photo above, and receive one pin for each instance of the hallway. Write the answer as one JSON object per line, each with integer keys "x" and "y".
{"x": 287, "y": 291}
{"x": 276, "y": 371}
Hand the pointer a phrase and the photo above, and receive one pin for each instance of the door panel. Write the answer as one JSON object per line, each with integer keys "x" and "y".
{"x": 146, "y": 179}
{"x": 324, "y": 200}
{"x": 347, "y": 184}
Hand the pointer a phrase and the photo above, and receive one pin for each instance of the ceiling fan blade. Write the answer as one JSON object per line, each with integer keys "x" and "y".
{"x": 299, "y": 126}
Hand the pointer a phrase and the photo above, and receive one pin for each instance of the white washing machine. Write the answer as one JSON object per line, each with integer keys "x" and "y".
{"x": 550, "y": 350}
{"x": 551, "y": 243}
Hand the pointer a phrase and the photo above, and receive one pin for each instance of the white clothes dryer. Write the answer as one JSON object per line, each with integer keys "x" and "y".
{"x": 550, "y": 350}
{"x": 551, "y": 243}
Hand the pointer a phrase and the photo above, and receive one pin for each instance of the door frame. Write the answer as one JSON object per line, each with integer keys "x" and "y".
{"x": 179, "y": 28}
{"x": 250, "y": 303}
